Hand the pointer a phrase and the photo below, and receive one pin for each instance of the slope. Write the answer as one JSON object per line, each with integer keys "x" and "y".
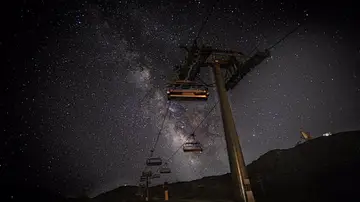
{"x": 322, "y": 169}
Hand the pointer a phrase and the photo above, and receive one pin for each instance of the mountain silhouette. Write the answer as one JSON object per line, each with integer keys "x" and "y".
{"x": 323, "y": 169}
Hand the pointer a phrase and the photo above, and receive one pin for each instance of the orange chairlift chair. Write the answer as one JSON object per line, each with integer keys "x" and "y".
{"x": 187, "y": 90}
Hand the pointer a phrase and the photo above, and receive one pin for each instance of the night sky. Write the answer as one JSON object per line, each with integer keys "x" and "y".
{"x": 84, "y": 86}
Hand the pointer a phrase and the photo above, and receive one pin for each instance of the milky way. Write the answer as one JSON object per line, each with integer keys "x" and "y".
{"x": 89, "y": 95}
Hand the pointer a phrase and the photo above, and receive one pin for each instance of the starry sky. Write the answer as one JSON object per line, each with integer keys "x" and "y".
{"x": 84, "y": 86}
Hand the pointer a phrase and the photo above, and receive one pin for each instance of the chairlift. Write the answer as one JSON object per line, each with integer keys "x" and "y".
{"x": 183, "y": 83}
{"x": 165, "y": 169}
{"x": 154, "y": 162}
{"x": 146, "y": 173}
{"x": 193, "y": 145}
{"x": 187, "y": 90}
{"x": 155, "y": 176}
{"x": 142, "y": 179}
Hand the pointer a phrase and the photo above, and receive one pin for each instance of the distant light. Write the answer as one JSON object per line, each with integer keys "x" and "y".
{"x": 327, "y": 134}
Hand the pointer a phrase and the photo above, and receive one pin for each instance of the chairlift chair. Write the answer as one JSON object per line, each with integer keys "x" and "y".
{"x": 187, "y": 90}
{"x": 165, "y": 169}
{"x": 192, "y": 145}
{"x": 142, "y": 179}
{"x": 155, "y": 176}
{"x": 146, "y": 173}
{"x": 154, "y": 162}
